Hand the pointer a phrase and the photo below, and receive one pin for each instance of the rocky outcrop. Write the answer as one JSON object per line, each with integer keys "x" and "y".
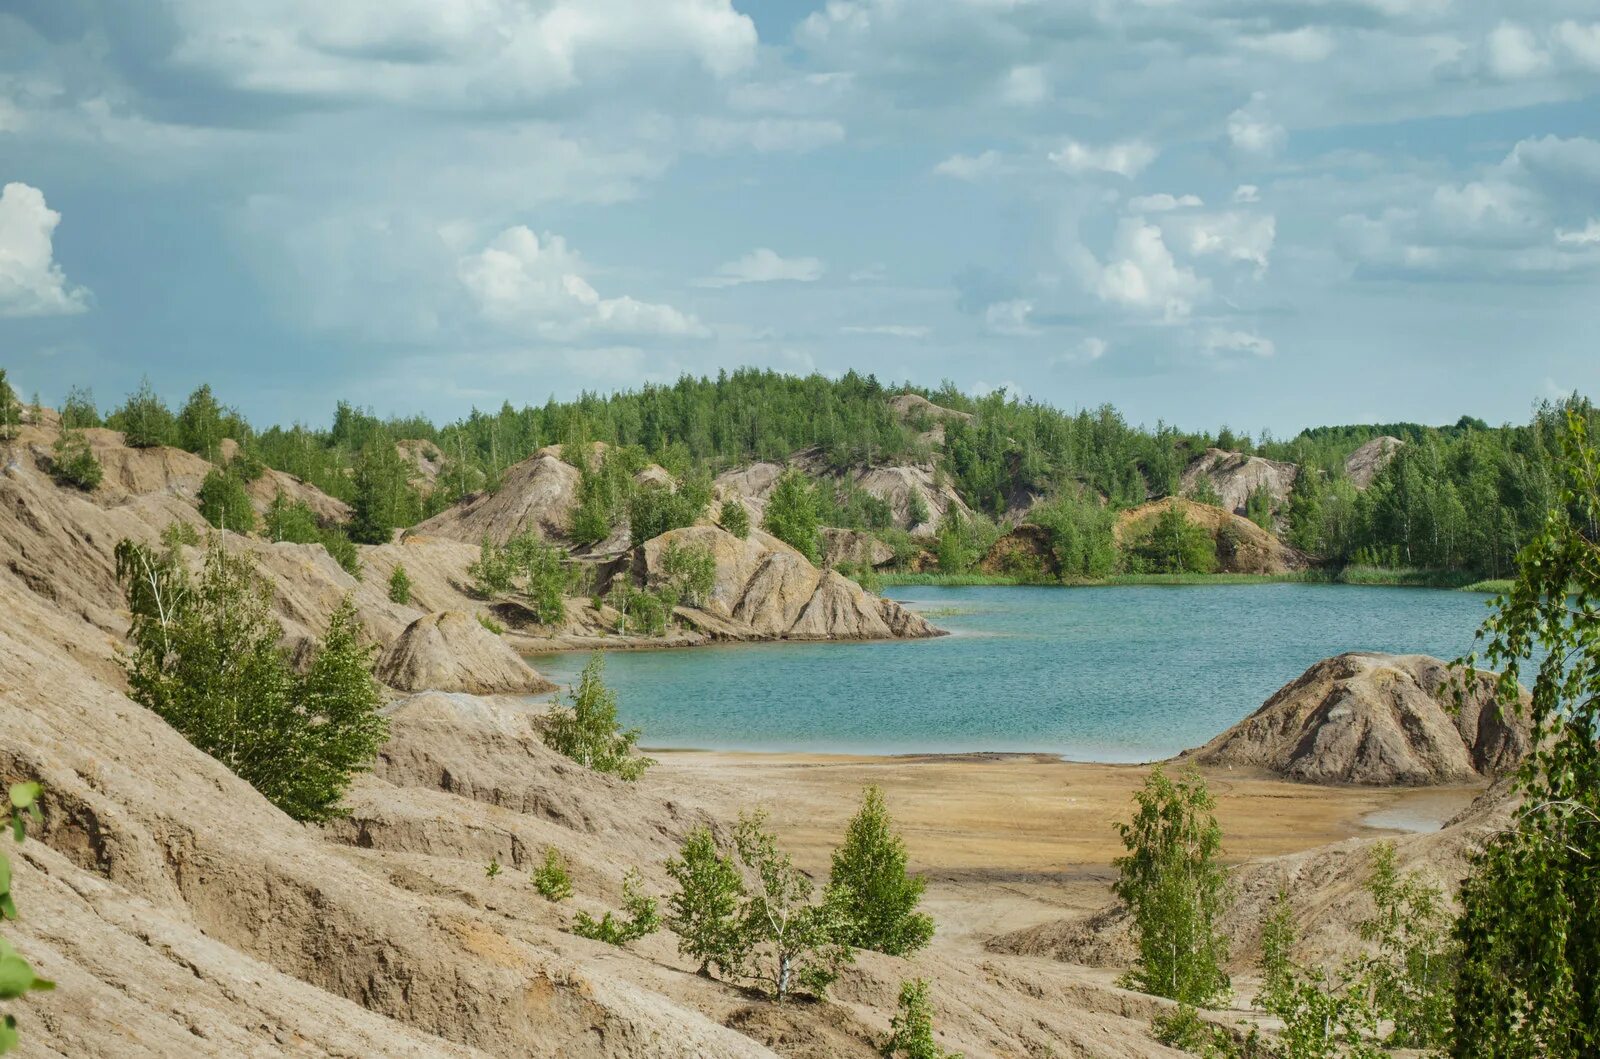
{"x": 918, "y": 410}
{"x": 1363, "y": 465}
{"x": 1242, "y": 546}
{"x": 537, "y": 495}
{"x": 1026, "y": 551}
{"x": 845, "y": 547}
{"x": 764, "y": 589}
{"x": 904, "y": 487}
{"x": 1235, "y": 476}
{"x": 1376, "y": 719}
{"x": 452, "y": 651}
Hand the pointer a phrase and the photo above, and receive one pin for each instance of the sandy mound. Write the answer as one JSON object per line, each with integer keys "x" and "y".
{"x": 1363, "y": 465}
{"x": 1235, "y": 476}
{"x": 452, "y": 651}
{"x": 1374, "y": 719}
{"x": 1028, "y": 549}
{"x": 844, "y": 547}
{"x": 1252, "y": 551}
{"x": 915, "y": 408}
{"x": 538, "y": 494}
{"x": 894, "y": 484}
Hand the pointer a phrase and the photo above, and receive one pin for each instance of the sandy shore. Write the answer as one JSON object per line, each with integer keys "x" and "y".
{"x": 1012, "y": 840}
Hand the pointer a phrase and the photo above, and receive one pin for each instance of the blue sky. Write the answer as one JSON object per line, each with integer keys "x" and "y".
{"x": 1266, "y": 213}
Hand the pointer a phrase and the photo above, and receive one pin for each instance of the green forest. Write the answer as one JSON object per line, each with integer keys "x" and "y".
{"x": 1459, "y": 497}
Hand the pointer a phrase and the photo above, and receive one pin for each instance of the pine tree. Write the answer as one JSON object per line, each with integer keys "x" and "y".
{"x": 399, "y": 585}
{"x": 704, "y": 912}
{"x": 734, "y": 518}
{"x": 870, "y": 887}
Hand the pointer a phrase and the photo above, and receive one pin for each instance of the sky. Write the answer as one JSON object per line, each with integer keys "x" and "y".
{"x": 1262, "y": 213}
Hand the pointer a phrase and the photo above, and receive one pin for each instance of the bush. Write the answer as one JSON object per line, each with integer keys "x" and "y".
{"x": 1082, "y": 540}
{"x": 225, "y": 503}
{"x": 550, "y": 877}
{"x": 10, "y": 409}
{"x": 641, "y": 917}
{"x": 383, "y": 498}
{"x": 78, "y": 411}
{"x": 204, "y": 654}
{"x": 399, "y": 586}
{"x": 911, "y": 1029}
{"x": 871, "y": 889}
{"x": 734, "y": 518}
{"x": 704, "y": 912}
{"x": 689, "y": 571}
{"x": 144, "y": 419}
{"x": 342, "y": 549}
{"x": 199, "y": 424}
{"x": 73, "y": 463}
{"x": 492, "y": 625}
{"x": 587, "y": 730}
{"x": 790, "y": 941}
{"x": 792, "y": 514}
{"x": 1176, "y": 889}
{"x": 1172, "y": 545}
{"x": 16, "y": 974}
{"x": 655, "y": 509}
{"x": 527, "y": 563}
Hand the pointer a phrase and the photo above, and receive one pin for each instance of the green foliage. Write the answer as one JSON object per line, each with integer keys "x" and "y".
{"x": 1325, "y": 1019}
{"x": 917, "y": 511}
{"x": 1529, "y": 929}
{"x": 399, "y": 585}
{"x": 16, "y": 974}
{"x": 383, "y": 500}
{"x": 792, "y": 513}
{"x": 640, "y": 917}
{"x": 1204, "y": 491}
{"x": 491, "y": 871}
{"x": 530, "y": 566}
{"x": 204, "y": 654}
{"x": 78, "y": 411}
{"x": 655, "y": 509}
{"x": 793, "y": 944}
{"x": 72, "y": 462}
{"x": 1277, "y": 944}
{"x": 1176, "y": 889}
{"x": 1171, "y": 544}
{"x": 705, "y": 910}
{"x": 1304, "y": 528}
{"x": 587, "y": 730}
{"x": 144, "y": 419}
{"x": 1081, "y": 536}
{"x": 870, "y": 887}
{"x": 550, "y": 877}
{"x": 734, "y": 518}
{"x": 491, "y": 625}
{"x": 1412, "y": 975}
{"x": 911, "y": 1029}
{"x": 225, "y": 502}
{"x": 10, "y": 409}
{"x": 199, "y": 425}
{"x": 688, "y": 572}
{"x": 604, "y": 491}
{"x": 961, "y": 542}
{"x": 1258, "y": 507}
{"x": 644, "y": 613}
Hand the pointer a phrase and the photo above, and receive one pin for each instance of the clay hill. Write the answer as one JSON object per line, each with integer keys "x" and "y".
{"x": 1235, "y": 476}
{"x": 1363, "y": 465}
{"x": 900, "y": 485}
{"x": 1242, "y": 546}
{"x": 1376, "y": 719}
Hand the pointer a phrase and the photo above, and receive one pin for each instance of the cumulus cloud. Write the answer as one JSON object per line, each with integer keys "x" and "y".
{"x": 1127, "y": 158}
{"x": 764, "y": 265}
{"x": 1087, "y": 351}
{"x": 31, "y": 283}
{"x": 1252, "y": 131}
{"x": 972, "y": 167}
{"x": 1025, "y": 85}
{"x": 536, "y": 286}
{"x": 1588, "y": 235}
{"x": 1221, "y": 342}
{"x": 1162, "y": 202}
{"x": 1306, "y": 44}
{"x": 1010, "y": 317}
{"x": 1247, "y": 193}
{"x": 1582, "y": 42}
{"x": 1141, "y": 274}
{"x": 1514, "y": 53}
{"x": 1232, "y": 236}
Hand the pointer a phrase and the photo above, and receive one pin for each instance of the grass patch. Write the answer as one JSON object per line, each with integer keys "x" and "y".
{"x": 1368, "y": 576}
{"x": 1405, "y": 577}
{"x": 1496, "y": 586}
{"x": 892, "y": 579}
{"x": 1292, "y": 576}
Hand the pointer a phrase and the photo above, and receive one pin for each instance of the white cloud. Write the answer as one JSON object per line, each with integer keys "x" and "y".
{"x": 1232, "y": 236}
{"x": 1247, "y": 193}
{"x": 1009, "y": 317}
{"x": 1087, "y": 351}
{"x": 1589, "y": 235}
{"x": 1127, "y": 158}
{"x": 972, "y": 167}
{"x": 31, "y": 283}
{"x": 1141, "y": 274}
{"x": 1306, "y": 44}
{"x": 763, "y": 265}
{"x": 1162, "y": 202}
{"x": 1218, "y": 342}
{"x": 1581, "y": 41}
{"x": 537, "y": 286}
{"x": 888, "y": 330}
{"x": 1025, "y": 85}
{"x": 1252, "y": 131}
{"x": 1514, "y": 53}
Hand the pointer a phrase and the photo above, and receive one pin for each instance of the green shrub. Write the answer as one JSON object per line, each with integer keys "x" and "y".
{"x": 204, "y": 654}
{"x": 225, "y": 502}
{"x": 1204, "y": 491}
{"x": 1176, "y": 890}
{"x": 199, "y": 424}
{"x": 529, "y": 565}
{"x": 689, "y": 571}
{"x": 78, "y": 411}
{"x": 342, "y": 549}
{"x": 493, "y": 626}
{"x": 550, "y": 877}
{"x": 911, "y": 1029}
{"x": 734, "y": 518}
{"x": 641, "y": 917}
{"x": 491, "y": 871}
{"x": 399, "y": 585}
{"x": 870, "y": 887}
{"x": 655, "y": 509}
{"x": 73, "y": 463}
{"x": 144, "y": 419}
{"x": 792, "y": 513}
{"x": 704, "y": 912}
{"x": 16, "y": 974}
{"x": 10, "y": 409}
{"x": 1172, "y": 544}
{"x": 586, "y": 730}
{"x": 791, "y": 942}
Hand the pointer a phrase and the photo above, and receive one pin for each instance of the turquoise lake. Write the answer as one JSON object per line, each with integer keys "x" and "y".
{"x": 1093, "y": 674}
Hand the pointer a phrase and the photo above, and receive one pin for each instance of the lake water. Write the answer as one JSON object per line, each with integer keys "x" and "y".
{"x": 1094, "y": 674}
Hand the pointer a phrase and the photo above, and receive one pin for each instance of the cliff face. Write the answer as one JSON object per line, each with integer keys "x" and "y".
{"x": 1242, "y": 546}
{"x": 1235, "y": 476}
{"x": 1363, "y": 465}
